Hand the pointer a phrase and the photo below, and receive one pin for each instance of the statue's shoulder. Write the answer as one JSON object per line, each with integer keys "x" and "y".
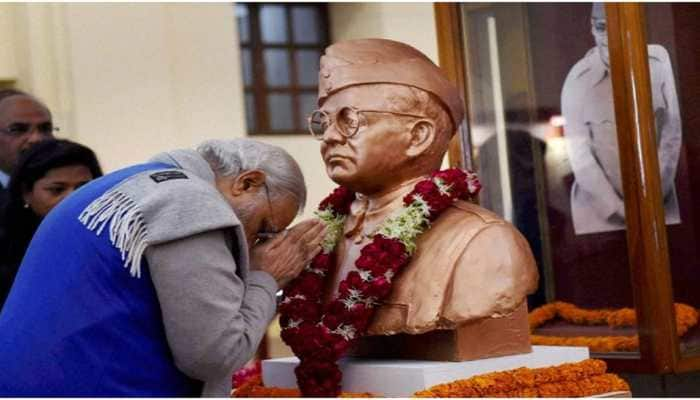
{"x": 582, "y": 68}
{"x": 470, "y": 213}
{"x": 658, "y": 53}
{"x": 658, "y": 57}
{"x": 468, "y": 221}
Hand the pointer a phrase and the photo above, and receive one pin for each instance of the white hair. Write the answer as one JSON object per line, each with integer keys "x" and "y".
{"x": 235, "y": 156}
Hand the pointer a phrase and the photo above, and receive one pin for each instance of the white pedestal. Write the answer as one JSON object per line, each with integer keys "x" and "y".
{"x": 402, "y": 378}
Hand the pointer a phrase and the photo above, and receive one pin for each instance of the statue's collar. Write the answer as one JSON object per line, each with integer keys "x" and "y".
{"x": 374, "y": 208}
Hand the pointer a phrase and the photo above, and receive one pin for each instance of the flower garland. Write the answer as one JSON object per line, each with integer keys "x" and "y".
{"x": 320, "y": 334}
{"x": 686, "y": 317}
{"x": 254, "y": 388}
{"x": 581, "y": 379}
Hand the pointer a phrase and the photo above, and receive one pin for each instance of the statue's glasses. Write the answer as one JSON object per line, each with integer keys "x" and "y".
{"x": 347, "y": 120}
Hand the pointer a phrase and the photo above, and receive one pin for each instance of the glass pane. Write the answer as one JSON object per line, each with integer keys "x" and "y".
{"x": 672, "y": 35}
{"x": 306, "y": 24}
{"x": 247, "y": 67}
{"x": 307, "y": 67}
{"x": 273, "y": 24}
{"x": 307, "y": 104}
{"x": 277, "y": 67}
{"x": 243, "y": 21}
{"x": 250, "y": 112}
{"x": 279, "y": 108}
{"x": 544, "y": 141}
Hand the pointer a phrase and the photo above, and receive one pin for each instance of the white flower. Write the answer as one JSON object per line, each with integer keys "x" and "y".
{"x": 354, "y": 294}
{"x": 407, "y": 223}
{"x": 334, "y": 229}
{"x": 370, "y": 302}
{"x": 444, "y": 189}
{"x": 388, "y": 275}
{"x": 419, "y": 202}
{"x": 288, "y": 300}
{"x": 346, "y": 331}
{"x": 349, "y": 302}
{"x": 365, "y": 275}
{"x": 315, "y": 270}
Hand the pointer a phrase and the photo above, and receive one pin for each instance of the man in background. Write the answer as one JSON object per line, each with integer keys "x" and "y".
{"x": 24, "y": 121}
{"x": 597, "y": 203}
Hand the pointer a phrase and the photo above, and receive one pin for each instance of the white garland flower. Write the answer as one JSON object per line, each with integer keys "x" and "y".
{"x": 407, "y": 223}
{"x": 444, "y": 188}
{"x": 334, "y": 228}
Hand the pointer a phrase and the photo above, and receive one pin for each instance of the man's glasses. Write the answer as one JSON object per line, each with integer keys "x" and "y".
{"x": 268, "y": 230}
{"x": 20, "y": 128}
{"x": 347, "y": 121}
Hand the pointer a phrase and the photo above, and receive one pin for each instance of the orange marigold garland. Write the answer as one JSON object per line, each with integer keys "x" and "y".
{"x": 254, "y": 388}
{"x": 686, "y": 317}
{"x": 585, "y": 378}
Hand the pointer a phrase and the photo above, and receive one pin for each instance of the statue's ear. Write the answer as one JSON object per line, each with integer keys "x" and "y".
{"x": 422, "y": 137}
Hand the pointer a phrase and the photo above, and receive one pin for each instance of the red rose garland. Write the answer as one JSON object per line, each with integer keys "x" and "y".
{"x": 320, "y": 334}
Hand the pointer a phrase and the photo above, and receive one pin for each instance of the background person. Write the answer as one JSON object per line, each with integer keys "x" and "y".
{"x": 24, "y": 121}
{"x": 597, "y": 203}
{"x": 141, "y": 284}
{"x": 44, "y": 176}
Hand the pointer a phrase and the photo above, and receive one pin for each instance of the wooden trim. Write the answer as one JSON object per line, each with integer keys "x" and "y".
{"x": 451, "y": 57}
{"x": 688, "y": 364}
{"x": 646, "y": 229}
{"x": 627, "y": 365}
{"x": 260, "y": 88}
{"x": 258, "y": 66}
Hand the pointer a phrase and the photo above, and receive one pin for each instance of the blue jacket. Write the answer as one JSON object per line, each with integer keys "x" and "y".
{"x": 76, "y": 323}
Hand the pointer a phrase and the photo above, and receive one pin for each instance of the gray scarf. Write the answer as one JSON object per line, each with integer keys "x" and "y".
{"x": 159, "y": 206}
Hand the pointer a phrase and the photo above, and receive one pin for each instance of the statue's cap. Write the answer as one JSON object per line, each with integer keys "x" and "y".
{"x": 366, "y": 61}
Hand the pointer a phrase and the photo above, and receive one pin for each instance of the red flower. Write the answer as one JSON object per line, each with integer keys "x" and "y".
{"x": 318, "y": 378}
{"x": 339, "y": 200}
{"x": 379, "y": 287}
{"x": 352, "y": 281}
{"x": 309, "y": 283}
{"x": 297, "y": 309}
{"x": 245, "y": 374}
{"x": 381, "y": 255}
{"x": 323, "y": 261}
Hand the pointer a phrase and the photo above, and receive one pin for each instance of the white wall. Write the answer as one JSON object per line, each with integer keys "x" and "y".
{"x": 411, "y": 23}
{"x": 152, "y": 77}
{"x": 131, "y": 80}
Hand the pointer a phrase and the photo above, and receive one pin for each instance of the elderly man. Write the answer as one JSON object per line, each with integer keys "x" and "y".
{"x": 386, "y": 118}
{"x": 141, "y": 284}
{"x": 597, "y": 203}
{"x": 23, "y": 122}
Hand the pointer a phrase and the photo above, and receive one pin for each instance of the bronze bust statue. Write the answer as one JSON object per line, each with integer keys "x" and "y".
{"x": 393, "y": 113}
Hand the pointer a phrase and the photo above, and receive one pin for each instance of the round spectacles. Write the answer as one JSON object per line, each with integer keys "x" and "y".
{"x": 347, "y": 120}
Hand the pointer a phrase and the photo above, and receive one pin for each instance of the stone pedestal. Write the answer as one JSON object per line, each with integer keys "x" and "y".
{"x": 402, "y": 378}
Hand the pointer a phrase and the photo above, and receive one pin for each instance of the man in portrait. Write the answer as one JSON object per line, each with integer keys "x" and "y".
{"x": 597, "y": 203}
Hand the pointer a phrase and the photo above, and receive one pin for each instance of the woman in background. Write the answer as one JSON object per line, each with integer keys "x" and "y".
{"x": 47, "y": 173}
